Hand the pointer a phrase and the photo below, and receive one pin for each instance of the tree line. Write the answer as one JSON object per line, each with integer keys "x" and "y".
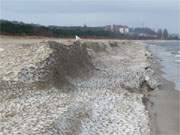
{"x": 23, "y": 29}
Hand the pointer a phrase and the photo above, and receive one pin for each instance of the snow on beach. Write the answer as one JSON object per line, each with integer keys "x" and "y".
{"x": 49, "y": 88}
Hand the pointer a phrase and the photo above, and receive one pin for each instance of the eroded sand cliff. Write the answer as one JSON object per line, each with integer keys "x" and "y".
{"x": 83, "y": 88}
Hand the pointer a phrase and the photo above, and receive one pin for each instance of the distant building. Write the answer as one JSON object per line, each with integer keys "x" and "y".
{"x": 117, "y": 28}
{"x": 126, "y": 29}
{"x": 121, "y": 30}
{"x": 108, "y": 28}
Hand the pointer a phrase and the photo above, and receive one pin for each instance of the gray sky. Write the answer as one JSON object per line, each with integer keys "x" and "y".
{"x": 150, "y": 13}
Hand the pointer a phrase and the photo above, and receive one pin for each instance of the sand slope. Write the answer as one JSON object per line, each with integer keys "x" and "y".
{"x": 54, "y": 88}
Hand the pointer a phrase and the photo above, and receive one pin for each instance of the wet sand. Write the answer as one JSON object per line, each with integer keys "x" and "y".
{"x": 165, "y": 107}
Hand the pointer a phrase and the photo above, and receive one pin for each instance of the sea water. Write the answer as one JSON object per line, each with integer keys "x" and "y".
{"x": 169, "y": 57}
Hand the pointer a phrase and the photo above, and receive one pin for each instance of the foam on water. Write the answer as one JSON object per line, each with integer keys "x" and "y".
{"x": 177, "y": 56}
{"x": 177, "y": 61}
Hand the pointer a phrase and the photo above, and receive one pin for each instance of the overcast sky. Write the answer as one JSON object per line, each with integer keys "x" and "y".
{"x": 150, "y": 13}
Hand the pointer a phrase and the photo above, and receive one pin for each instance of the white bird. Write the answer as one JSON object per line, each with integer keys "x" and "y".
{"x": 77, "y": 38}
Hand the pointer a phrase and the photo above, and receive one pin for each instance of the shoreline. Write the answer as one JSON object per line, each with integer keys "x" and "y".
{"x": 128, "y": 87}
{"x": 163, "y": 106}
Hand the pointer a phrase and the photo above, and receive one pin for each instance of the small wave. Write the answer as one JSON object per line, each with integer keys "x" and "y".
{"x": 177, "y": 56}
{"x": 178, "y": 61}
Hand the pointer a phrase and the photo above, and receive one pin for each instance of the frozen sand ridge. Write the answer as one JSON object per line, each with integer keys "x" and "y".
{"x": 55, "y": 89}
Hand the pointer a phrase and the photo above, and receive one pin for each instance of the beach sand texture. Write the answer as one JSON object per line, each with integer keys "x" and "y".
{"x": 62, "y": 87}
{"x": 166, "y": 106}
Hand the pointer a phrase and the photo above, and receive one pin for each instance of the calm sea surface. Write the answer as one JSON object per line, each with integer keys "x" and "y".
{"x": 169, "y": 57}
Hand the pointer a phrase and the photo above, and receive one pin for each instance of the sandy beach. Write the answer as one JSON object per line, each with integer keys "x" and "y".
{"x": 61, "y": 87}
{"x": 166, "y": 110}
{"x": 89, "y": 67}
{"x": 165, "y": 107}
